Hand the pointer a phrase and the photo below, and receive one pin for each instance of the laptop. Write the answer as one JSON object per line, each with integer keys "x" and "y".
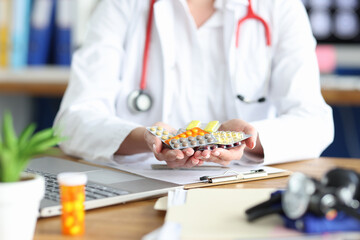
{"x": 105, "y": 187}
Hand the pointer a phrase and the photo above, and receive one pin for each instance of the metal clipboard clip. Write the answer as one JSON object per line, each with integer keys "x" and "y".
{"x": 231, "y": 177}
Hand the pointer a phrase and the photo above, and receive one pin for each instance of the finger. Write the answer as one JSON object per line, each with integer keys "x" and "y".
{"x": 185, "y": 162}
{"x": 197, "y": 155}
{"x": 216, "y": 152}
{"x": 227, "y": 155}
{"x": 233, "y": 154}
{"x": 176, "y": 163}
{"x": 166, "y": 155}
{"x": 251, "y": 141}
{"x": 215, "y": 155}
{"x": 188, "y": 152}
{"x": 206, "y": 154}
{"x": 154, "y": 143}
{"x": 191, "y": 162}
{"x": 173, "y": 154}
{"x": 157, "y": 146}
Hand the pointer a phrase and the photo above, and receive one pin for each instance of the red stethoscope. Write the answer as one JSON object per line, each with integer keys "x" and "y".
{"x": 140, "y": 101}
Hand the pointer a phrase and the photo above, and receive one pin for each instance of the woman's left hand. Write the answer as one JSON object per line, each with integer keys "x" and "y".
{"x": 225, "y": 156}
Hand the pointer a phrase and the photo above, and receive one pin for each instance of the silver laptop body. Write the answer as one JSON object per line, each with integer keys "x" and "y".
{"x": 105, "y": 186}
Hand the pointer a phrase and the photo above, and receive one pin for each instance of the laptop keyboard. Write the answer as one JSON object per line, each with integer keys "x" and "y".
{"x": 93, "y": 191}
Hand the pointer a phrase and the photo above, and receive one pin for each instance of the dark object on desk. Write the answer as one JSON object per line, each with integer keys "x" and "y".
{"x": 311, "y": 223}
{"x": 309, "y": 205}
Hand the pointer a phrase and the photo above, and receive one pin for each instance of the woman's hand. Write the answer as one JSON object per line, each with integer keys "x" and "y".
{"x": 173, "y": 157}
{"x": 225, "y": 156}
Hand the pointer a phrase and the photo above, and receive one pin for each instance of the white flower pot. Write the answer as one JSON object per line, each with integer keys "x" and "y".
{"x": 19, "y": 207}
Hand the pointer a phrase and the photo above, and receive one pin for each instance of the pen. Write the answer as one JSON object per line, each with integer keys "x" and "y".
{"x": 224, "y": 178}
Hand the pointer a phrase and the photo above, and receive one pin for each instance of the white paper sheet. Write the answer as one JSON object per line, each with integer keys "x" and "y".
{"x": 141, "y": 165}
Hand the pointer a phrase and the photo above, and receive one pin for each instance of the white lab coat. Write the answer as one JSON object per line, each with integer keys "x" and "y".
{"x": 294, "y": 123}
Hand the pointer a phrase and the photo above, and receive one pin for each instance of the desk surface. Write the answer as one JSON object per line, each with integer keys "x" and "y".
{"x": 133, "y": 220}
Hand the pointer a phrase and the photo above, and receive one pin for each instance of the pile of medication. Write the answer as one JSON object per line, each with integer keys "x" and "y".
{"x": 199, "y": 137}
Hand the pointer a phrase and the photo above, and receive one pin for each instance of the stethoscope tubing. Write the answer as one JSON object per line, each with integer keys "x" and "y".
{"x": 147, "y": 47}
{"x": 250, "y": 15}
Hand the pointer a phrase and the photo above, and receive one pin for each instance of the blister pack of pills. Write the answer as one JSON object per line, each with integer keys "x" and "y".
{"x": 199, "y": 136}
{"x": 189, "y": 133}
{"x": 229, "y": 139}
{"x": 161, "y": 133}
{"x": 192, "y": 141}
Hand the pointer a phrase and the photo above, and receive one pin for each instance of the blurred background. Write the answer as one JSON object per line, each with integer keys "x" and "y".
{"x": 38, "y": 37}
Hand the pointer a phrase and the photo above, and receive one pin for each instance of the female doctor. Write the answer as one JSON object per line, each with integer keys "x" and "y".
{"x": 168, "y": 62}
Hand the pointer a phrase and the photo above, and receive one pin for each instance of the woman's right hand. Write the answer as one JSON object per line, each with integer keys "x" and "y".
{"x": 174, "y": 158}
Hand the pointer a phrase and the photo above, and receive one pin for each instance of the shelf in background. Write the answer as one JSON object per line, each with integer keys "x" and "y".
{"x": 35, "y": 81}
{"x": 341, "y": 97}
{"x": 52, "y": 82}
{"x": 341, "y": 90}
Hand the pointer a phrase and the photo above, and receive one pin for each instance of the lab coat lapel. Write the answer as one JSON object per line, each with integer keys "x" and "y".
{"x": 233, "y": 11}
{"x": 164, "y": 21}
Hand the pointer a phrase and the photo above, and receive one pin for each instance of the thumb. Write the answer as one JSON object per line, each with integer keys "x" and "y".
{"x": 251, "y": 142}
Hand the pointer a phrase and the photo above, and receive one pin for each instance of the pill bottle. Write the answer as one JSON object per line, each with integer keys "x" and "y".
{"x": 72, "y": 197}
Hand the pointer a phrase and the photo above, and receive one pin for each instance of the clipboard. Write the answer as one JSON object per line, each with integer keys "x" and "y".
{"x": 255, "y": 177}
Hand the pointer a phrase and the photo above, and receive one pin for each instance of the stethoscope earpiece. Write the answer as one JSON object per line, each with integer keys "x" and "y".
{"x": 139, "y": 101}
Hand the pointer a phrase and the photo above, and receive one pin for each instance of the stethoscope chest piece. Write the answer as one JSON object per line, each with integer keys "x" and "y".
{"x": 139, "y": 101}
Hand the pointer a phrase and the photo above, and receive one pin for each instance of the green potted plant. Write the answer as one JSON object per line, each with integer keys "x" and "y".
{"x": 20, "y": 192}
